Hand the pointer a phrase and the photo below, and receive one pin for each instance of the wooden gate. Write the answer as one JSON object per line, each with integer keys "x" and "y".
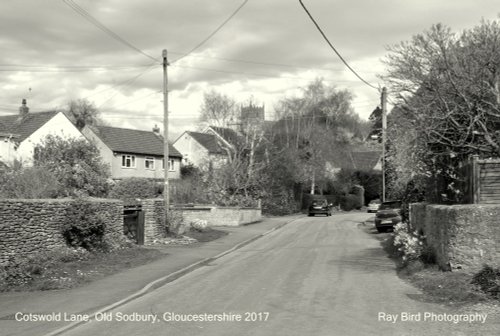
{"x": 133, "y": 223}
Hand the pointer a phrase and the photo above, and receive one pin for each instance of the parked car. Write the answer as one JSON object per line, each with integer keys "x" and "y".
{"x": 320, "y": 206}
{"x": 388, "y": 215}
{"x": 374, "y": 205}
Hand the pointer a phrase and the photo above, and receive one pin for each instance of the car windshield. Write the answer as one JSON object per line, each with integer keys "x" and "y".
{"x": 319, "y": 203}
{"x": 390, "y": 205}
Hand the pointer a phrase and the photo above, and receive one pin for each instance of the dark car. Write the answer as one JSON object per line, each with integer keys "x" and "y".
{"x": 388, "y": 215}
{"x": 320, "y": 207}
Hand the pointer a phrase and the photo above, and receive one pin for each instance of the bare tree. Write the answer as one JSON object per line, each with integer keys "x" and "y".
{"x": 447, "y": 88}
{"x": 218, "y": 109}
{"x": 83, "y": 112}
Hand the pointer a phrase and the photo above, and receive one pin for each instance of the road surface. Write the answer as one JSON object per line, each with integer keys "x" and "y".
{"x": 315, "y": 276}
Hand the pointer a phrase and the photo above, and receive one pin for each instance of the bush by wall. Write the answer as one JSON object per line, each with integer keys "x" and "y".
{"x": 133, "y": 188}
{"x": 85, "y": 226}
{"x": 30, "y": 182}
{"x": 29, "y": 227}
{"x": 488, "y": 279}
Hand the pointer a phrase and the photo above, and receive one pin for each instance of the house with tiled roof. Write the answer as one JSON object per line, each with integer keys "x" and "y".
{"x": 200, "y": 148}
{"x": 364, "y": 161}
{"x": 357, "y": 160}
{"x": 134, "y": 153}
{"x": 20, "y": 133}
{"x": 213, "y": 144}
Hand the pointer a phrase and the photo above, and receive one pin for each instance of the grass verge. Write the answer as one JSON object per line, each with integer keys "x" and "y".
{"x": 67, "y": 268}
{"x": 205, "y": 235}
{"x": 445, "y": 287}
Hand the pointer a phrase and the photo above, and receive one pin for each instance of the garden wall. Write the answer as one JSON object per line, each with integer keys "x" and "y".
{"x": 222, "y": 216}
{"x": 31, "y": 226}
{"x": 461, "y": 236}
{"x": 154, "y": 219}
{"x": 154, "y": 214}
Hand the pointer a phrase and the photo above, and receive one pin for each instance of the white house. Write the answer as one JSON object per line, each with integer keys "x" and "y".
{"x": 213, "y": 144}
{"x": 20, "y": 133}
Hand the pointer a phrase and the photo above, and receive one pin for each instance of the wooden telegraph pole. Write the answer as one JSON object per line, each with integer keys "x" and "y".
{"x": 384, "y": 136}
{"x": 165, "y": 130}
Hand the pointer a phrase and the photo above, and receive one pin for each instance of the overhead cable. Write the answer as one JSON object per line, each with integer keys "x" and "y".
{"x": 333, "y": 48}
{"x": 105, "y": 29}
{"x": 214, "y": 32}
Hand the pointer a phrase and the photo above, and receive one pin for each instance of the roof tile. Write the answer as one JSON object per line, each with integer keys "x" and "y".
{"x": 133, "y": 141}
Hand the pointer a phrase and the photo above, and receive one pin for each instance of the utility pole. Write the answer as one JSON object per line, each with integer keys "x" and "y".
{"x": 165, "y": 131}
{"x": 384, "y": 136}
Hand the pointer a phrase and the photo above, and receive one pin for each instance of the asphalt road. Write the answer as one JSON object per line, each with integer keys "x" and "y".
{"x": 315, "y": 276}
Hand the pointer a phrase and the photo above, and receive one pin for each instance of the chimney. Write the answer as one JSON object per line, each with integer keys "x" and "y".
{"x": 156, "y": 130}
{"x": 23, "y": 109}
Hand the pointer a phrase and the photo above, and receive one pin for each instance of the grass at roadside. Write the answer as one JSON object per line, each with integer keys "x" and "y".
{"x": 451, "y": 288}
{"x": 69, "y": 267}
{"x": 206, "y": 235}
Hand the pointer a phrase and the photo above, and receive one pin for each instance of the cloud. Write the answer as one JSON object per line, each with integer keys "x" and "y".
{"x": 268, "y": 50}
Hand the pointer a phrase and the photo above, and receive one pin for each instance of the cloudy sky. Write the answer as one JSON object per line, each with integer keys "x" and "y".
{"x": 109, "y": 51}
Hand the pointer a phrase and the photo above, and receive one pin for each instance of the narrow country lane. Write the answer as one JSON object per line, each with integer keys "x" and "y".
{"x": 315, "y": 276}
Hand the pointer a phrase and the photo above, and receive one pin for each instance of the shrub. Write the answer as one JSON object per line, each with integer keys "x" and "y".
{"x": 350, "y": 202}
{"x": 85, "y": 226}
{"x": 30, "y": 182}
{"x": 409, "y": 244}
{"x": 488, "y": 279}
{"x": 279, "y": 205}
{"x": 76, "y": 163}
{"x": 135, "y": 187}
{"x": 22, "y": 271}
{"x": 188, "y": 190}
{"x": 199, "y": 224}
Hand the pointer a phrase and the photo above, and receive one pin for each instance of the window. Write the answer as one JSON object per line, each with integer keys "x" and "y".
{"x": 128, "y": 161}
{"x": 149, "y": 163}
{"x": 171, "y": 164}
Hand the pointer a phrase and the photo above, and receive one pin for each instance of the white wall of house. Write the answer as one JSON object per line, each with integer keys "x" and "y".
{"x": 7, "y": 149}
{"x": 192, "y": 151}
{"x": 135, "y": 166}
{"x": 59, "y": 125}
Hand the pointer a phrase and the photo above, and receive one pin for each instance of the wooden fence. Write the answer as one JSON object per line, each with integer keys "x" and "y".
{"x": 481, "y": 180}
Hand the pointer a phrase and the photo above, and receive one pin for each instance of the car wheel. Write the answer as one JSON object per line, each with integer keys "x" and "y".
{"x": 380, "y": 230}
{"x": 310, "y": 215}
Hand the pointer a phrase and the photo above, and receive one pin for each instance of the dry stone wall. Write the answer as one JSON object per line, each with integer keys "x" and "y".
{"x": 154, "y": 219}
{"x": 28, "y": 227}
{"x": 461, "y": 236}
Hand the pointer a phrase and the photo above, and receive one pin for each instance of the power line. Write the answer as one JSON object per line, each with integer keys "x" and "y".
{"x": 65, "y": 68}
{"x": 127, "y": 83}
{"x": 214, "y": 32}
{"x": 333, "y": 48}
{"x": 258, "y": 63}
{"x": 257, "y": 74}
{"x": 82, "y": 12}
